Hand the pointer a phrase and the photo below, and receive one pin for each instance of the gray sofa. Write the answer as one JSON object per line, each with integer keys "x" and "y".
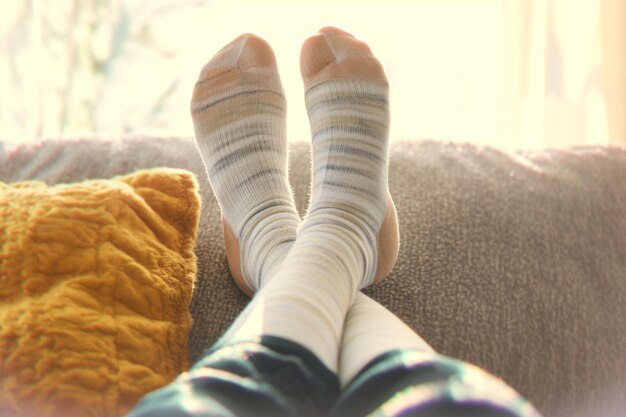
{"x": 513, "y": 261}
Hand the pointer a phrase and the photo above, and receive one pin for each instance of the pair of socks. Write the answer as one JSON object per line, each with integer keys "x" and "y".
{"x": 304, "y": 275}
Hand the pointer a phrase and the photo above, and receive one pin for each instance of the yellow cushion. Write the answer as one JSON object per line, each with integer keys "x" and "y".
{"x": 95, "y": 284}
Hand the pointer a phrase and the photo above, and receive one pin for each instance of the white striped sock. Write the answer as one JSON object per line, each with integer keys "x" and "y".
{"x": 349, "y": 124}
{"x": 335, "y": 252}
{"x": 238, "y": 109}
{"x": 371, "y": 330}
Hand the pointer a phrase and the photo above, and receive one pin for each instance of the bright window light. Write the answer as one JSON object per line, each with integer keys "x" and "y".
{"x": 127, "y": 67}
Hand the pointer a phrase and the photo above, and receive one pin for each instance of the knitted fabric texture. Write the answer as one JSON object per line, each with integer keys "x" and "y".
{"x": 96, "y": 279}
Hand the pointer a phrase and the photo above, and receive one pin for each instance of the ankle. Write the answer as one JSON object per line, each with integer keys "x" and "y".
{"x": 264, "y": 241}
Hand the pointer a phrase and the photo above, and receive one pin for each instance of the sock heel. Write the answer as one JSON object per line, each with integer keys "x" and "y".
{"x": 388, "y": 245}
{"x": 388, "y": 242}
{"x": 233, "y": 257}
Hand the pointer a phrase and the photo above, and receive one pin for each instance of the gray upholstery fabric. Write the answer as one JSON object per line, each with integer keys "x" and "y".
{"x": 514, "y": 262}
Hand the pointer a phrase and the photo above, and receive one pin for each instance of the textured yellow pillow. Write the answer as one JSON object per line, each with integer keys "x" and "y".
{"x": 95, "y": 284}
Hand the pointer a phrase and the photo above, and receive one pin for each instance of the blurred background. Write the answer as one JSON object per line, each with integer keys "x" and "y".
{"x": 508, "y": 73}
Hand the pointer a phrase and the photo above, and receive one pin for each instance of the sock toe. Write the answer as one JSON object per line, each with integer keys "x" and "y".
{"x": 315, "y": 56}
{"x": 244, "y": 52}
{"x": 255, "y": 52}
{"x": 334, "y": 54}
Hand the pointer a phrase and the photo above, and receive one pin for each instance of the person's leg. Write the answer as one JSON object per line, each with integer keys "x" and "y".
{"x": 370, "y": 330}
{"x": 238, "y": 110}
{"x": 280, "y": 356}
{"x": 386, "y": 369}
{"x": 384, "y": 366}
{"x": 349, "y": 237}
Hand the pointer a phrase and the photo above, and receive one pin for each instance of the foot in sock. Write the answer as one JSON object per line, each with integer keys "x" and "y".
{"x": 238, "y": 110}
{"x": 351, "y": 221}
{"x": 347, "y": 102}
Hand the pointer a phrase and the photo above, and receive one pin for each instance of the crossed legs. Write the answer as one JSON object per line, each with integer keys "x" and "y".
{"x": 308, "y": 330}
